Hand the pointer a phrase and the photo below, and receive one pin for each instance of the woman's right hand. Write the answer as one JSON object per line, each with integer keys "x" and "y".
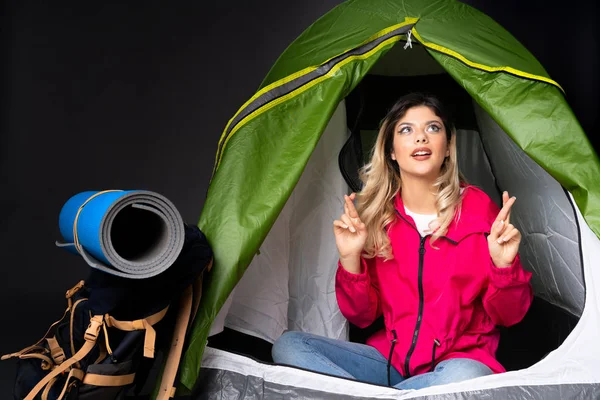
{"x": 350, "y": 232}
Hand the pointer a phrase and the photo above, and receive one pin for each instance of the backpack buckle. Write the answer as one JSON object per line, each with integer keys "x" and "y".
{"x": 71, "y": 292}
{"x": 91, "y": 333}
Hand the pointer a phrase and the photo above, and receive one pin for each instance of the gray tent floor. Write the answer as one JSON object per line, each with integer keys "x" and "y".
{"x": 543, "y": 329}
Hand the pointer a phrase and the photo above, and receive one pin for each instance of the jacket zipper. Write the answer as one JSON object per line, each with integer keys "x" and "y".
{"x": 389, "y": 364}
{"x": 436, "y": 344}
{"x": 421, "y": 296}
{"x": 420, "y": 315}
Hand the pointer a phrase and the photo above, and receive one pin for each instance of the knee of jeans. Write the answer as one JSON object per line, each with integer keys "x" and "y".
{"x": 286, "y": 345}
{"x": 466, "y": 368}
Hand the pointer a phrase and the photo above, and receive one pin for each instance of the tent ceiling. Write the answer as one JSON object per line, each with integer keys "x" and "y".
{"x": 414, "y": 61}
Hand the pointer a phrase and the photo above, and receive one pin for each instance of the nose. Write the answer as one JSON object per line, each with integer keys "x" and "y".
{"x": 420, "y": 137}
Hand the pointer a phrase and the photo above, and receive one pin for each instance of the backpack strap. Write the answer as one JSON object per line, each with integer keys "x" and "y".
{"x": 138, "y": 325}
{"x": 166, "y": 389}
{"x": 74, "y": 373}
{"x": 78, "y": 245}
{"x": 198, "y": 290}
{"x": 102, "y": 353}
{"x": 71, "y": 292}
{"x": 106, "y": 341}
{"x": 36, "y": 346}
{"x": 56, "y": 352}
{"x": 108, "y": 380}
{"x": 26, "y": 350}
{"x": 73, "y": 308}
{"x": 47, "y": 362}
{"x": 91, "y": 335}
{"x": 188, "y": 307}
{"x": 48, "y": 387}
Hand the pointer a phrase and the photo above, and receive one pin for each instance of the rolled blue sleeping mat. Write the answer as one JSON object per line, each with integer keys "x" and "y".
{"x": 133, "y": 234}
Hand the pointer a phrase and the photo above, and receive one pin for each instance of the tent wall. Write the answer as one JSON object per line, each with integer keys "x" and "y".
{"x": 473, "y": 163}
{"x": 550, "y": 247}
{"x": 290, "y": 282}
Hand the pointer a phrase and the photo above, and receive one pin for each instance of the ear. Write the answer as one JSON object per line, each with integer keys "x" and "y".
{"x": 448, "y": 153}
{"x": 393, "y": 156}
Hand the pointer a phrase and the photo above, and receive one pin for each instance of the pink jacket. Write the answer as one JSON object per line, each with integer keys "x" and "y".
{"x": 437, "y": 304}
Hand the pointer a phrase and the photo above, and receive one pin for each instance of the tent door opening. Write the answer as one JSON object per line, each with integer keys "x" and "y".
{"x": 289, "y": 285}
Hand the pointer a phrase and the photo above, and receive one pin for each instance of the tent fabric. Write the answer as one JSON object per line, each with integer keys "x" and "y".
{"x": 290, "y": 283}
{"x": 421, "y": 63}
{"x": 242, "y": 386}
{"x": 449, "y": 24}
{"x": 263, "y": 156}
{"x": 270, "y": 96}
{"x": 227, "y": 375}
{"x": 538, "y": 119}
{"x": 474, "y": 163}
{"x": 550, "y": 245}
{"x": 262, "y": 185}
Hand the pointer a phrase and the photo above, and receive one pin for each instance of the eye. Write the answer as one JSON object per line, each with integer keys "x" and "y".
{"x": 404, "y": 129}
{"x": 434, "y": 128}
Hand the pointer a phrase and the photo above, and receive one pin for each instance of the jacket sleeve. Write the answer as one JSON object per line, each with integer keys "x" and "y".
{"x": 358, "y": 294}
{"x": 509, "y": 293}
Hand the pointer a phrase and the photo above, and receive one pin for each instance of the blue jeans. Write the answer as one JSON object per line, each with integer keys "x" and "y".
{"x": 364, "y": 363}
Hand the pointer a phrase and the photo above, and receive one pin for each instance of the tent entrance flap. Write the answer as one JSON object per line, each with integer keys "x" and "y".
{"x": 289, "y": 284}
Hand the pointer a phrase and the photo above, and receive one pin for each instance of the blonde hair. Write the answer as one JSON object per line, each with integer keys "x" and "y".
{"x": 382, "y": 182}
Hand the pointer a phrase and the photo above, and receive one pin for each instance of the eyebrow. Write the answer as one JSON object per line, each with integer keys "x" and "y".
{"x": 426, "y": 123}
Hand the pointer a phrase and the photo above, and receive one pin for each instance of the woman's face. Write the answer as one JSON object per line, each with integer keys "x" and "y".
{"x": 420, "y": 144}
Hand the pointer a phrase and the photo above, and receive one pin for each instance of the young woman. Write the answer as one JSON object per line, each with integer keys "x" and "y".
{"x": 435, "y": 256}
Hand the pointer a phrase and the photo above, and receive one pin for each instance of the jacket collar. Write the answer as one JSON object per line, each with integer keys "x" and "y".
{"x": 474, "y": 215}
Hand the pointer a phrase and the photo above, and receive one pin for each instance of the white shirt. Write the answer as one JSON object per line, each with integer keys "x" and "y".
{"x": 422, "y": 221}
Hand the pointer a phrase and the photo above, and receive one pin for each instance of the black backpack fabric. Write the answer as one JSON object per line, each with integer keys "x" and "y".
{"x": 124, "y": 326}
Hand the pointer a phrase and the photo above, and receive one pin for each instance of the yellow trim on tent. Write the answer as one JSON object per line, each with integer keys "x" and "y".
{"x": 289, "y": 78}
{"x": 487, "y": 68}
{"x": 304, "y": 88}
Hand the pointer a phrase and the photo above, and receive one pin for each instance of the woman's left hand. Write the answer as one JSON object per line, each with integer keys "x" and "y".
{"x": 504, "y": 238}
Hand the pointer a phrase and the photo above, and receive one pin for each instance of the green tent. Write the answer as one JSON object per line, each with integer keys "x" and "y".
{"x": 267, "y": 144}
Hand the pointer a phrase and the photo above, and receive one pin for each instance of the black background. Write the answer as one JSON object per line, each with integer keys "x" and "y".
{"x": 135, "y": 96}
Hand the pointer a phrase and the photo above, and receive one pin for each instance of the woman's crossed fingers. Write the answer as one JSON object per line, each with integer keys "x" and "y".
{"x": 504, "y": 238}
{"x": 350, "y": 219}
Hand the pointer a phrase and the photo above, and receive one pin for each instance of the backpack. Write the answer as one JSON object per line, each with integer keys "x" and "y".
{"x": 117, "y": 334}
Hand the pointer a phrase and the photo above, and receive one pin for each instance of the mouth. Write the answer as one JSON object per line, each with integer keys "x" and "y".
{"x": 421, "y": 153}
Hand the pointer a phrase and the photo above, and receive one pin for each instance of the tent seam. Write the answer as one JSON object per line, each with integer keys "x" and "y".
{"x": 487, "y": 68}
{"x": 225, "y": 136}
